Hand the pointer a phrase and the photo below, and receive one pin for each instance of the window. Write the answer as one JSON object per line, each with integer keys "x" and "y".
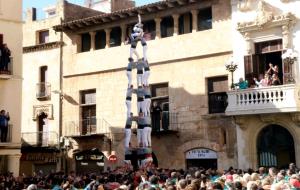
{"x": 88, "y": 112}
{"x": 167, "y": 27}
{"x": 115, "y": 37}
{"x": 149, "y": 30}
{"x": 217, "y": 97}
{"x": 185, "y": 23}
{"x": 43, "y": 36}
{"x": 85, "y": 42}
{"x": 100, "y": 40}
{"x": 205, "y": 19}
{"x": 160, "y": 96}
{"x": 43, "y": 88}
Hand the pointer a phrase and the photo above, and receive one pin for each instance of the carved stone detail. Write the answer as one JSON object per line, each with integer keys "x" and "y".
{"x": 285, "y": 36}
{"x": 267, "y": 118}
{"x": 262, "y": 15}
{"x": 243, "y": 5}
{"x": 296, "y": 118}
{"x": 285, "y": 1}
{"x": 241, "y": 121}
{"x": 38, "y": 109}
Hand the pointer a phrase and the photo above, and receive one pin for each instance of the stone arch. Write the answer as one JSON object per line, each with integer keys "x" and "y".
{"x": 254, "y": 133}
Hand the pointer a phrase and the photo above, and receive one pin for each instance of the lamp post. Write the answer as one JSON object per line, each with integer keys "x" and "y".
{"x": 289, "y": 57}
{"x": 231, "y": 66}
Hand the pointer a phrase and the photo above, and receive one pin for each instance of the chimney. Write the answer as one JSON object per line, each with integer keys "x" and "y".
{"x": 31, "y": 14}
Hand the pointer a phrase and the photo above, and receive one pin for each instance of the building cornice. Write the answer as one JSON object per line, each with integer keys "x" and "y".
{"x": 41, "y": 47}
{"x": 105, "y": 18}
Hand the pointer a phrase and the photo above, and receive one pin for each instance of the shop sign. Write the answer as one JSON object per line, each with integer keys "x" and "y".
{"x": 40, "y": 157}
{"x": 201, "y": 153}
{"x": 112, "y": 158}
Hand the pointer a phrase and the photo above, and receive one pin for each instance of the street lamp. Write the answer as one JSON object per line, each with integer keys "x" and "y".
{"x": 231, "y": 66}
{"x": 289, "y": 57}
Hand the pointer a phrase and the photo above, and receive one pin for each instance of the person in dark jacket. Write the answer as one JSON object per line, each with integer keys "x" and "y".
{"x": 4, "y": 118}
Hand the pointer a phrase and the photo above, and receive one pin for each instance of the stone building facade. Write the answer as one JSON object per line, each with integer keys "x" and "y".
{"x": 186, "y": 52}
{"x": 42, "y": 142}
{"x": 267, "y": 119}
{"x": 11, "y": 83}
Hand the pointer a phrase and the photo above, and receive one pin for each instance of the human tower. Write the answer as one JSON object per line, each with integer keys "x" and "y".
{"x": 143, "y": 151}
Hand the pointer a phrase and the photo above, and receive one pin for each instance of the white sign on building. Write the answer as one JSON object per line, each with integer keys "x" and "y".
{"x": 201, "y": 153}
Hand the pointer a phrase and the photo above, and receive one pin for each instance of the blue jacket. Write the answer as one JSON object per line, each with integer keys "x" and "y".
{"x": 4, "y": 121}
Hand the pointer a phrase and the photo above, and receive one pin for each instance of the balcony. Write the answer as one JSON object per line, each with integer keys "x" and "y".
{"x": 273, "y": 99}
{"x": 40, "y": 139}
{"x": 87, "y": 127}
{"x": 43, "y": 91}
{"x": 6, "y": 73}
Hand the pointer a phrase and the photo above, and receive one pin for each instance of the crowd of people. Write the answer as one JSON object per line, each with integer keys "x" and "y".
{"x": 4, "y": 58}
{"x": 159, "y": 179}
{"x": 270, "y": 78}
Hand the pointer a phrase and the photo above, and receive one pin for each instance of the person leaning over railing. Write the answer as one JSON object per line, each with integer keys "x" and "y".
{"x": 264, "y": 82}
{"x": 242, "y": 84}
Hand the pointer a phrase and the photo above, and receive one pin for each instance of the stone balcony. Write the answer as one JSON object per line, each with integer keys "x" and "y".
{"x": 273, "y": 99}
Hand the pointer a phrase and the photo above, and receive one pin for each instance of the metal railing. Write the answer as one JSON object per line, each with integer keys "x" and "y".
{"x": 84, "y": 127}
{"x": 43, "y": 90}
{"x": 9, "y": 135}
{"x": 7, "y": 69}
{"x": 40, "y": 138}
{"x": 283, "y": 98}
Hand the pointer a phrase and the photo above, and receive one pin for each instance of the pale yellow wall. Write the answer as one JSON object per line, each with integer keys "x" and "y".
{"x": 11, "y": 89}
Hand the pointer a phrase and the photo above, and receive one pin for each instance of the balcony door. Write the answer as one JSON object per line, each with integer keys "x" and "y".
{"x": 88, "y": 112}
{"x": 275, "y": 147}
{"x": 43, "y": 130}
{"x": 265, "y": 53}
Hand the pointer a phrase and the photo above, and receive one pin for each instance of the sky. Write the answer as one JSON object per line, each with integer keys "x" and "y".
{"x": 40, "y": 4}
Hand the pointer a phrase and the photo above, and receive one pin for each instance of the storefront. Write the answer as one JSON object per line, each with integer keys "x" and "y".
{"x": 201, "y": 157}
{"x": 89, "y": 161}
{"x": 45, "y": 162}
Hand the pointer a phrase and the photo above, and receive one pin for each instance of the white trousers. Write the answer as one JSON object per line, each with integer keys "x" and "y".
{"x": 147, "y": 106}
{"x": 140, "y": 136}
{"x": 133, "y": 51}
{"x": 128, "y": 106}
{"x": 129, "y": 77}
{"x": 145, "y": 48}
{"x": 141, "y": 107}
{"x": 147, "y": 136}
{"x": 146, "y": 77}
{"x": 139, "y": 79}
{"x": 127, "y": 137}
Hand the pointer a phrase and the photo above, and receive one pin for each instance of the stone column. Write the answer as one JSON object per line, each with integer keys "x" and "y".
{"x": 285, "y": 37}
{"x": 123, "y": 28}
{"x": 93, "y": 42}
{"x": 176, "y": 24}
{"x": 77, "y": 39}
{"x": 195, "y": 20}
{"x": 248, "y": 43}
{"x": 107, "y": 32}
{"x": 157, "y": 28}
{"x": 13, "y": 164}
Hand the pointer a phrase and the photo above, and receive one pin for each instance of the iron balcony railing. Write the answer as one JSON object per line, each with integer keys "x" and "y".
{"x": 43, "y": 90}
{"x": 41, "y": 138}
{"x": 84, "y": 127}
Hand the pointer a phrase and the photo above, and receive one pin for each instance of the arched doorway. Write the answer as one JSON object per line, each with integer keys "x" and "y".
{"x": 275, "y": 147}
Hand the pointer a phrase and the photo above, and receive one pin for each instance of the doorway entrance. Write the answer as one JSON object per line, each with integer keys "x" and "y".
{"x": 275, "y": 147}
{"x": 43, "y": 130}
{"x": 201, "y": 158}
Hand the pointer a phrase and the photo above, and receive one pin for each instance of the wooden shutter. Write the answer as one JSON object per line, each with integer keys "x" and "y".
{"x": 1, "y": 39}
{"x": 251, "y": 68}
{"x": 287, "y": 72}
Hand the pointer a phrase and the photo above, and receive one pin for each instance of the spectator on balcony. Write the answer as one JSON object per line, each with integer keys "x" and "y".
{"x": 5, "y": 58}
{"x": 275, "y": 80}
{"x": 272, "y": 69}
{"x": 156, "y": 116}
{"x": 242, "y": 84}
{"x": 4, "y": 118}
{"x": 264, "y": 82}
